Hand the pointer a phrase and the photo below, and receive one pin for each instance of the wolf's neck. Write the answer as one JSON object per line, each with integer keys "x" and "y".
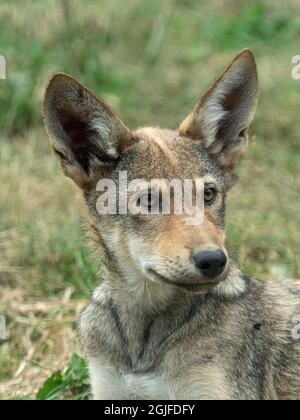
{"x": 146, "y": 317}
{"x": 146, "y": 297}
{"x": 143, "y": 296}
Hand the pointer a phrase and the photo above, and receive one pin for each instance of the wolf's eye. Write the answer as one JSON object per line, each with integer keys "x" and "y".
{"x": 149, "y": 200}
{"x": 210, "y": 194}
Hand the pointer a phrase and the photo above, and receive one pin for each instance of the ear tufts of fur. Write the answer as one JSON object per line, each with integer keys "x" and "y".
{"x": 222, "y": 116}
{"x": 85, "y": 133}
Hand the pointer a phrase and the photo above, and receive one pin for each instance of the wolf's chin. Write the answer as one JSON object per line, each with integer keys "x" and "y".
{"x": 195, "y": 287}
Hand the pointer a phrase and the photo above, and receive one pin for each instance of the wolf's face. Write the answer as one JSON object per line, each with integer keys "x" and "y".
{"x": 93, "y": 144}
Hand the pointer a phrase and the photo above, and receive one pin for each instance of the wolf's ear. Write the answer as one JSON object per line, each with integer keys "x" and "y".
{"x": 84, "y": 132}
{"x": 222, "y": 117}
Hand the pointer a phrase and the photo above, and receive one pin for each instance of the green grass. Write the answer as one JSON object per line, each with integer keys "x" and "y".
{"x": 148, "y": 57}
{"x": 150, "y": 60}
{"x": 41, "y": 215}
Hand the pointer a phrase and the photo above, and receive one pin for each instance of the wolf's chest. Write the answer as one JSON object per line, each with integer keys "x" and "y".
{"x": 108, "y": 383}
{"x": 205, "y": 382}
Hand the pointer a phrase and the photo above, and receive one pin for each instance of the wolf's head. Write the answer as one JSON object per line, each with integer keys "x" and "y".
{"x": 92, "y": 144}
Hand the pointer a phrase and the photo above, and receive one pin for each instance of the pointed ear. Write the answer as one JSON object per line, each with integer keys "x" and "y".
{"x": 222, "y": 117}
{"x": 85, "y": 134}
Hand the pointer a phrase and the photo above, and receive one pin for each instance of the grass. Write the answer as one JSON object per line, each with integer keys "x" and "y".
{"x": 149, "y": 60}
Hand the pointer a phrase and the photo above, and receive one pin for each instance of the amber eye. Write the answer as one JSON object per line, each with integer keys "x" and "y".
{"x": 210, "y": 194}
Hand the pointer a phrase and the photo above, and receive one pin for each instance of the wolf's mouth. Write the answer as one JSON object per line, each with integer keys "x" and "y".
{"x": 193, "y": 287}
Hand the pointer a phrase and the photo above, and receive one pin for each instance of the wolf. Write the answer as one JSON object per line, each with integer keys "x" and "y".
{"x": 174, "y": 318}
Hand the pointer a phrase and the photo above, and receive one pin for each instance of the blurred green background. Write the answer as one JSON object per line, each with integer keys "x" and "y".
{"x": 150, "y": 60}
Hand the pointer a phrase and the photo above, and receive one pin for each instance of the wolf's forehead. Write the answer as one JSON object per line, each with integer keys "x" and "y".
{"x": 156, "y": 134}
{"x": 164, "y": 154}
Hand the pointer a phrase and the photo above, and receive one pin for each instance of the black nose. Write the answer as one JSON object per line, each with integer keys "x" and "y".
{"x": 210, "y": 263}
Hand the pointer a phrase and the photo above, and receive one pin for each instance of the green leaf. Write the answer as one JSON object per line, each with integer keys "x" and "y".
{"x": 53, "y": 388}
{"x": 73, "y": 383}
{"x": 77, "y": 372}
